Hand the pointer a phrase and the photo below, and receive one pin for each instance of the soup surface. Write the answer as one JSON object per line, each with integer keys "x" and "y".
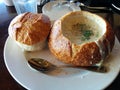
{"x": 82, "y": 32}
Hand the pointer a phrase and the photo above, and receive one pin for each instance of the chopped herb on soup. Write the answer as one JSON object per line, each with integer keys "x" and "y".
{"x": 80, "y": 33}
{"x": 87, "y": 34}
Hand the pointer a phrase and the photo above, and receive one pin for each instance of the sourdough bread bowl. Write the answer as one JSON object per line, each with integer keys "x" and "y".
{"x": 30, "y": 30}
{"x": 81, "y": 38}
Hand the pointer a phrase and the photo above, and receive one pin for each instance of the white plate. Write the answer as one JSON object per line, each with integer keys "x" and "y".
{"x": 66, "y": 79}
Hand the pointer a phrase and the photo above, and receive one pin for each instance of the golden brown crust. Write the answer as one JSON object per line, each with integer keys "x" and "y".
{"x": 59, "y": 45}
{"x": 110, "y": 36}
{"x": 107, "y": 41}
{"x": 30, "y": 28}
{"x": 85, "y": 54}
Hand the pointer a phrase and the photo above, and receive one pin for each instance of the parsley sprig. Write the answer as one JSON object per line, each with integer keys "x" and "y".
{"x": 86, "y": 34}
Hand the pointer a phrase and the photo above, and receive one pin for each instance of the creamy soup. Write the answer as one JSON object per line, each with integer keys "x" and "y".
{"x": 82, "y": 31}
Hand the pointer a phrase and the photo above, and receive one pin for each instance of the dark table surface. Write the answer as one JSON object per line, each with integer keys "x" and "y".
{"x": 6, "y": 80}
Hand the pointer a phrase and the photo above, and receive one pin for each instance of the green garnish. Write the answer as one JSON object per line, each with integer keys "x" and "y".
{"x": 86, "y": 34}
{"x": 84, "y": 30}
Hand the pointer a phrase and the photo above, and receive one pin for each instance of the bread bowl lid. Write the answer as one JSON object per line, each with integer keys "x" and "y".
{"x": 29, "y": 28}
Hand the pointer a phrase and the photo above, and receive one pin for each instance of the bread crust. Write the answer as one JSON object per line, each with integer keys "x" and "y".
{"x": 29, "y": 28}
{"x": 85, "y": 54}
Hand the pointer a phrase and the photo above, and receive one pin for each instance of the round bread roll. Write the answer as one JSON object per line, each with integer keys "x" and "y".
{"x": 81, "y": 38}
{"x": 30, "y": 31}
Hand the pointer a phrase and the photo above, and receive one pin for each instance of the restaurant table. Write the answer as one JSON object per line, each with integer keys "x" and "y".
{"x": 7, "y": 13}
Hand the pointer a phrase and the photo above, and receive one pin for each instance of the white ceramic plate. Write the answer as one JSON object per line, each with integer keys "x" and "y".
{"x": 69, "y": 79}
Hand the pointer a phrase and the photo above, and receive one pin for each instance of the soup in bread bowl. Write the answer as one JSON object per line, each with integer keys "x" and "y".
{"x": 81, "y": 38}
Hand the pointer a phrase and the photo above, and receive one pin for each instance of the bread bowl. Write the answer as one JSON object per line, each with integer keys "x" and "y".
{"x": 30, "y": 30}
{"x": 81, "y": 38}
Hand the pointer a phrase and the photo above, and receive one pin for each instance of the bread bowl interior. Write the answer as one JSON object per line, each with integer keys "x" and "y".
{"x": 83, "y": 27}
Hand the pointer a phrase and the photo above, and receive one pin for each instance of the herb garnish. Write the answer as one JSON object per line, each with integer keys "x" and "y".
{"x": 86, "y": 34}
{"x": 84, "y": 30}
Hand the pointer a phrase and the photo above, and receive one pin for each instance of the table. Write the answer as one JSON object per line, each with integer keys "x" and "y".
{"x": 6, "y": 80}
